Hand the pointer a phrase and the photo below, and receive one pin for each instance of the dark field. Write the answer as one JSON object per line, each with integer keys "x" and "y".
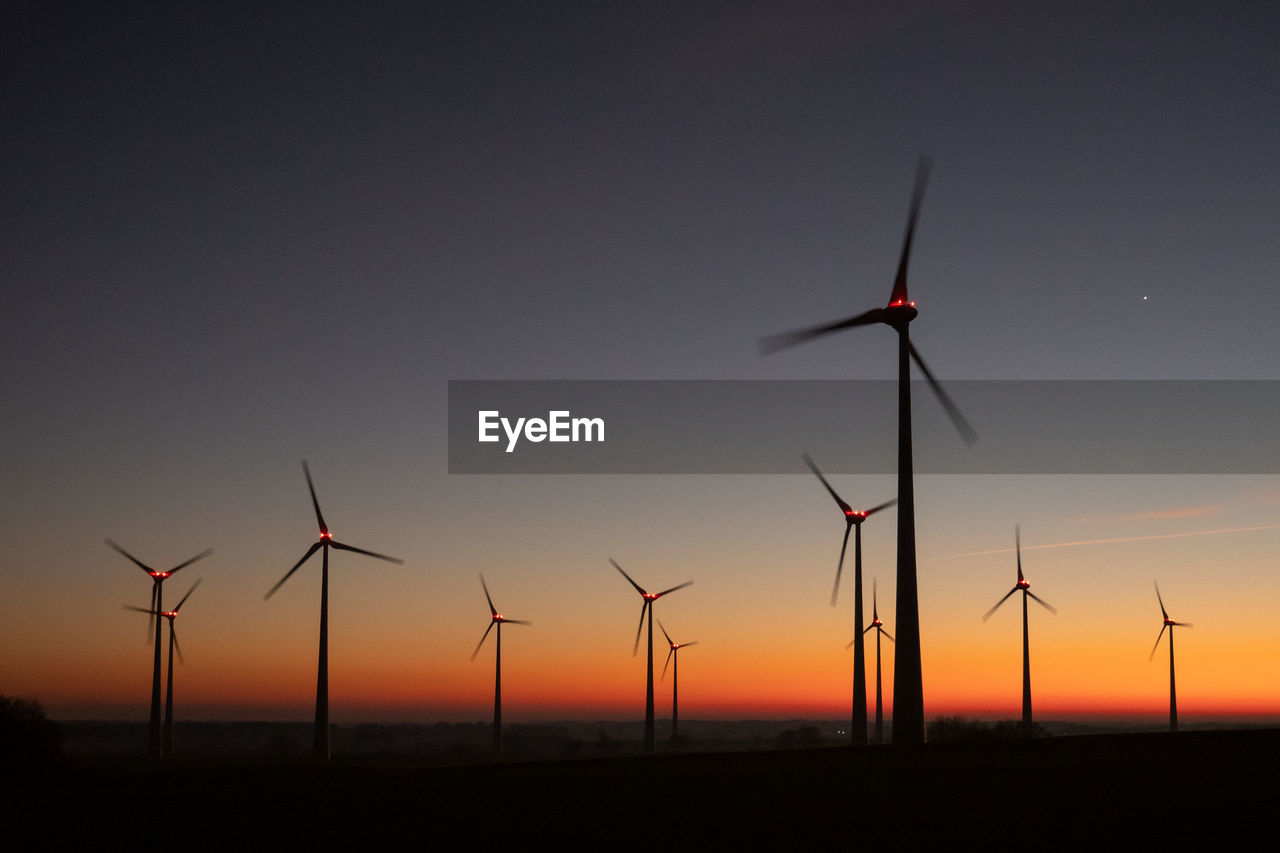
{"x": 1150, "y": 788}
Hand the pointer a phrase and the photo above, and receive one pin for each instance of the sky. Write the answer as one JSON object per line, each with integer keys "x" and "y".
{"x": 237, "y": 236}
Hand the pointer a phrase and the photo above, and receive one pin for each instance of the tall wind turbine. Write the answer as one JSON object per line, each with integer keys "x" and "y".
{"x": 650, "y": 741}
{"x": 853, "y": 520}
{"x": 154, "y": 747}
{"x": 908, "y": 687}
{"x": 1026, "y": 647}
{"x": 879, "y": 626}
{"x": 167, "y": 751}
{"x": 672, "y": 657}
{"x": 1170, "y": 624}
{"x": 497, "y": 619}
{"x": 321, "y": 740}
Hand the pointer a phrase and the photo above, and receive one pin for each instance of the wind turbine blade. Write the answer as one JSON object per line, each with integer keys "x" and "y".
{"x": 139, "y": 609}
{"x": 875, "y": 613}
{"x": 639, "y": 588}
{"x": 173, "y": 635}
{"x": 199, "y": 556}
{"x": 771, "y": 344}
{"x": 1184, "y": 624}
{"x": 517, "y": 622}
{"x": 151, "y": 623}
{"x": 690, "y": 643}
{"x": 835, "y": 590}
{"x": 314, "y": 547}
{"x": 962, "y": 426}
{"x": 665, "y": 665}
{"x": 899, "y": 293}
{"x": 864, "y": 630}
{"x": 1017, "y": 538}
{"x": 987, "y": 615}
{"x": 188, "y": 595}
{"x": 1163, "y": 612}
{"x": 482, "y": 639}
{"x": 665, "y": 634}
{"x": 1046, "y": 605}
{"x": 844, "y": 507}
{"x": 636, "y": 648}
{"x": 887, "y": 634}
{"x": 355, "y": 550}
{"x": 849, "y": 645}
{"x": 1157, "y": 645}
{"x": 674, "y": 588}
{"x": 315, "y": 503}
{"x": 879, "y": 507}
{"x": 129, "y": 556}
{"x": 488, "y": 597}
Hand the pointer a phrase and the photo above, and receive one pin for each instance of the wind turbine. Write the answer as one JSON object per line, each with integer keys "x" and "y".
{"x": 321, "y": 741}
{"x": 908, "y": 687}
{"x": 497, "y": 619}
{"x": 675, "y": 678}
{"x": 154, "y": 747}
{"x": 879, "y": 626}
{"x": 853, "y": 521}
{"x": 1170, "y": 624}
{"x": 1025, "y": 587}
{"x": 647, "y": 607}
{"x": 167, "y": 751}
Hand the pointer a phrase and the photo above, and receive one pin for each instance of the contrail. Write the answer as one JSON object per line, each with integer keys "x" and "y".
{"x": 1122, "y": 539}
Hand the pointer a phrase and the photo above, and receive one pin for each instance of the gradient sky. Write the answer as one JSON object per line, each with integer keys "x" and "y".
{"x": 238, "y": 235}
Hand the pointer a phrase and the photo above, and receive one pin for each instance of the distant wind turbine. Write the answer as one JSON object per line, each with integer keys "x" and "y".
{"x": 1025, "y": 588}
{"x": 879, "y": 626}
{"x": 853, "y": 521}
{"x": 154, "y": 747}
{"x": 321, "y": 739}
{"x": 908, "y": 686}
{"x": 650, "y": 739}
{"x": 496, "y": 619}
{"x": 167, "y": 751}
{"x": 1170, "y": 624}
{"x": 674, "y": 659}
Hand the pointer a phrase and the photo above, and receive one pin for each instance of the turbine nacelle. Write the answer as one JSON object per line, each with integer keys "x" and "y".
{"x": 899, "y": 313}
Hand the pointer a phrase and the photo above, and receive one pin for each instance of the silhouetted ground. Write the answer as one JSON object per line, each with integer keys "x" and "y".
{"x": 1053, "y": 792}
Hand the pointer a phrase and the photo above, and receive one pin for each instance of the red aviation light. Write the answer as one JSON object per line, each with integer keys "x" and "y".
{"x": 649, "y": 596}
{"x": 161, "y": 575}
{"x": 324, "y": 534}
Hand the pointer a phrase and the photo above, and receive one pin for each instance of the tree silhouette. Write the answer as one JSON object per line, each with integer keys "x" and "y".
{"x": 26, "y": 733}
